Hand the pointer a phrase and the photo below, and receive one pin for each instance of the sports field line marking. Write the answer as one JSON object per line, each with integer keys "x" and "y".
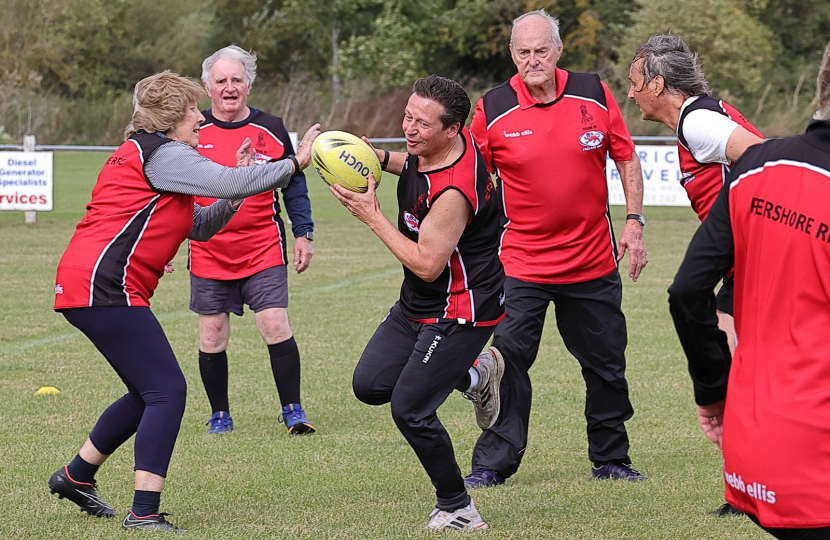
{"x": 28, "y": 344}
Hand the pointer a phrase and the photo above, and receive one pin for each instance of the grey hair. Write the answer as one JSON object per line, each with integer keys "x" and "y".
{"x": 554, "y": 24}
{"x": 823, "y": 87}
{"x": 669, "y": 57}
{"x": 231, "y": 52}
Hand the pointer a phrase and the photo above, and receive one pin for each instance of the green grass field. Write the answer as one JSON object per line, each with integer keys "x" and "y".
{"x": 356, "y": 478}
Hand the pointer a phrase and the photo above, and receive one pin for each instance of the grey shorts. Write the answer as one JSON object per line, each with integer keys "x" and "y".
{"x": 263, "y": 290}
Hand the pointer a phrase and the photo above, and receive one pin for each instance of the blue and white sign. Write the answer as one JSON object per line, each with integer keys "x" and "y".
{"x": 26, "y": 181}
{"x": 661, "y": 178}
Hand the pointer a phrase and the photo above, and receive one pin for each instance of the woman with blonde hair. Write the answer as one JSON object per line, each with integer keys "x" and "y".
{"x": 142, "y": 209}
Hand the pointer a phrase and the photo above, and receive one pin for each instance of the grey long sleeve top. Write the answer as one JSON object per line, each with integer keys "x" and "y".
{"x": 176, "y": 167}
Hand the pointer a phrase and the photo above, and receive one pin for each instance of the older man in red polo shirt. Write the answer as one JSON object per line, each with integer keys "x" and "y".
{"x": 545, "y": 133}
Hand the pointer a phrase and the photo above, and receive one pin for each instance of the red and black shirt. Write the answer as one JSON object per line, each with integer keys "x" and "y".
{"x": 255, "y": 238}
{"x": 550, "y": 161}
{"x": 772, "y": 222}
{"x": 703, "y": 181}
{"x": 130, "y": 231}
{"x": 470, "y": 290}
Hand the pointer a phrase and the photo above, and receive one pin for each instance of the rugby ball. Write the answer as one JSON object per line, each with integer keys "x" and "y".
{"x": 341, "y": 158}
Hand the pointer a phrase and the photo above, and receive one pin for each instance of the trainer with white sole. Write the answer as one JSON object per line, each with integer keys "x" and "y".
{"x": 451, "y": 297}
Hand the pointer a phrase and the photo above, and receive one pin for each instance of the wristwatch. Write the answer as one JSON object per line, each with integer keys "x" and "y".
{"x": 639, "y": 218}
{"x": 308, "y": 236}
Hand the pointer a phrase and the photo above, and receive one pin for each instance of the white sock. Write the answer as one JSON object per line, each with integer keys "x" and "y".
{"x": 474, "y": 378}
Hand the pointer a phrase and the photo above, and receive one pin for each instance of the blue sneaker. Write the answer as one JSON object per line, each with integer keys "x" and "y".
{"x": 615, "y": 471}
{"x": 220, "y": 422}
{"x": 482, "y": 478}
{"x": 293, "y": 416}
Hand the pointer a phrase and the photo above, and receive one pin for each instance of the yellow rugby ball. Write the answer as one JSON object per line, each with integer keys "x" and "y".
{"x": 342, "y": 158}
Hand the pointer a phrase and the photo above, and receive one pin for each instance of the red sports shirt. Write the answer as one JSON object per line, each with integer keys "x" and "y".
{"x": 550, "y": 160}
{"x": 129, "y": 232}
{"x": 772, "y": 221}
{"x": 254, "y": 239}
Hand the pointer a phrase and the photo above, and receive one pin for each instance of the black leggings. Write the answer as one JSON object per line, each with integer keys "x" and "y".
{"x": 134, "y": 344}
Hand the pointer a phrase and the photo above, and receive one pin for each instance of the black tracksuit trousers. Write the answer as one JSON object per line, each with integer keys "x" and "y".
{"x": 416, "y": 366}
{"x": 592, "y": 325}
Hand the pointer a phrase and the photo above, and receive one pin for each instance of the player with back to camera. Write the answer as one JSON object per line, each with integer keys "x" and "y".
{"x": 452, "y": 293}
{"x": 142, "y": 209}
{"x": 668, "y": 85}
{"x": 769, "y": 412}
{"x": 546, "y": 132}
{"x": 246, "y": 262}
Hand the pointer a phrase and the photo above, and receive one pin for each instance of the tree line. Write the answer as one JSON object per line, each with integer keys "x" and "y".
{"x": 67, "y": 67}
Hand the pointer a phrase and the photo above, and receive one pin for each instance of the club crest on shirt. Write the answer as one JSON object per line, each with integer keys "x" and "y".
{"x": 587, "y": 118}
{"x": 411, "y": 221}
{"x": 591, "y": 140}
{"x": 260, "y": 159}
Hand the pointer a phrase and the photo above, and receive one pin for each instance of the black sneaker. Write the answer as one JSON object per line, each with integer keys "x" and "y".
{"x": 615, "y": 471}
{"x": 80, "y": 493}
{"x": 482, "y": 478}
{"x": 152, "y": 522}
{"x": 726, "y": 510}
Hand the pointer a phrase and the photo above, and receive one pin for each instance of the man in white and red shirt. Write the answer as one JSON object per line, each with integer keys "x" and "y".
{"x": 545, "y": 133}
{"x": 770, "y": 413}
{"x": 247, "y": 262}
{"x": 669, "y": 87}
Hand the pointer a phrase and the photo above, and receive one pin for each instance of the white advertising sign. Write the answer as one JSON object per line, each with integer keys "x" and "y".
{"x": 661, "y": 178}
{"x": 26, "y": 181}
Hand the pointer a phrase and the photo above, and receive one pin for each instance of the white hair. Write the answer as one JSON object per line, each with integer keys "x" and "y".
{"x": 554, "y": 24}
{"x": 231, "y": 52}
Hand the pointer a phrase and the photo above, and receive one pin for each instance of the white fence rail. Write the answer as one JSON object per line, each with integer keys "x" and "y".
{"x": 658, "y": 157}
{"x": 380, "y": 140}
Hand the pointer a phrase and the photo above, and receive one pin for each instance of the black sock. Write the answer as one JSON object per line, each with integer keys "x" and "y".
{"x": 80, "y": 470}
{"x": 214, "y": 370}
{"x": 146, "y": 503}
{"x": 285, "y": 364}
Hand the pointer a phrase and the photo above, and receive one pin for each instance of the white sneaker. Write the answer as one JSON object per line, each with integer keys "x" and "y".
{"x": 461, "y": 519}
{"x": 485, "y": 396}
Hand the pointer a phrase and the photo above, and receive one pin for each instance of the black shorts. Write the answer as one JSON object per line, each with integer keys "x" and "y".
{"x": 724, "y": 296}
{"x": 265, "y": 289}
